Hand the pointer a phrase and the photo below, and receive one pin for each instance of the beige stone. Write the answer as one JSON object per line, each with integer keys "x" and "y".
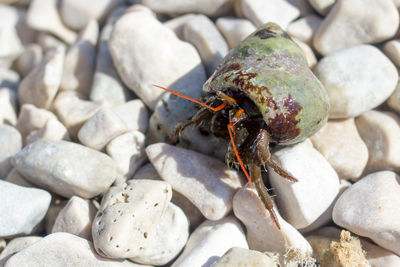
{"x": 392, "y": 51}
{"x": 304, "y": 29}
{"x": 235, "y": 30}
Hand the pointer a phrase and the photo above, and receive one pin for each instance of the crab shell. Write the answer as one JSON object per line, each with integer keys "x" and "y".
{"x": 272, "y": 71}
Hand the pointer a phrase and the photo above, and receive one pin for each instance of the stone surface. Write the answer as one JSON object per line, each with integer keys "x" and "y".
{"x": 18, "y": 244}
{"x": 394, "y": 99}
{"x": 304, "y": 29}
{"x": 357, "y": 79}
{"x": 210, "y": 241}
{"x": 260, "y": 12}
{"x": 43, "y": 16}
{"x": 16, "y": 178}
{"x": 340, "y": 143}
{"x": 376, "y": 215}
{"x": 176, "y": 24}
{"x": 80, "y": 61}
{"x": 392, "y": 51}
{"x": 359, "y": 21}
{"x": 208, "y": 183}
{"x": 379, "y": 257}
{"x": 134, "y": 114}
{"x": 9, "y": 79}
{"x": 55, "y": 207}
{"x": 8, "y": 99}
{"x": 10, "y": 143}
{"x": 128, "y": 217}
{"x": 169, "y": 238}
{"x": 303, "y": 202}
{"x": 177, "y": 64}
{"x": 101, "y": 128}
{"x": 48, "y": 42}
{"x": 30, "y": 57}
{"x": 322, "y": 6}
{"x": 22, "y": 208}
{"x": 66, "y": 168}
{"x": 237, "y": 257}
{"x": 127, "y": 150}
{"x": 262, "y": 233}
{"x": 63, "y": 249}
{"x": 42, "y": 83}
{"x": 202, "y": 33}
{"x": 311, "y": 58}
{"x": 76, "y": 218}
{"x": 381, "y": 133}
{"x": 234, "y": 30}
{"x": 53, "y": 129}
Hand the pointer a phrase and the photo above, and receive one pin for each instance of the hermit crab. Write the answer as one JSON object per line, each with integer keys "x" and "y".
{"x": 262, "y": 93}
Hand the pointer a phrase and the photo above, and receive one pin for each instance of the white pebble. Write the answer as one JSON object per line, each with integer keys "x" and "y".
{"x": 10, "y": 43}
{"x": 30, "y": 57}
{"x": 394, "y": 99}
{"x": 8, "y": 105}
{"x": 392, "y": 51}
{"x": 236, "y": 257}
{"x": 322, "y": 6}
{"x": 305, "y": 28}
{"x": 235, "y": 30}
{"x": 134, "y": 114}
{"x": 52, "y": 130}
{"x": 10, "y": 143}
{"x": 18, "y": 244}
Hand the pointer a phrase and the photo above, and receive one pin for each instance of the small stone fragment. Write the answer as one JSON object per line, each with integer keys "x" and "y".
{"x": 238, "y": 257}
{"x": 392, "y": 51}
{"x": 210, "y": 241}
{"x": 322, "y": 6}
{"x": 304, "y": 28}
{"x": 18, "y": 244}
{"x": 375, "y": 216}
{"x": 30, "y": 57}
{"x": 8, "y": 105}
{"x": 208, "y": 183}
{"x": 359, "y": 21}
{"x": 22, "y": 208}
{"x": 66, "y": 168}
{"x": 128, "y": 217}
{"x": 134, "y": 114}
{"x": 235, "y": 30}
{"x": 10, "y": 143}
{"x": 356, "y": 79}
{"x": 52, "y": 130}
{"x": 340, "y": 143}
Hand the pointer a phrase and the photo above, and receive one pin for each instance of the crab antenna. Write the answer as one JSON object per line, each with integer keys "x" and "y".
{"x": 231, "y": 125}
{"x": 193, "y": 100}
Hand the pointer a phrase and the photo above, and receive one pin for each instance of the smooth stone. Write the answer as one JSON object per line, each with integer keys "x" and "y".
{"x": 127, "y": 150}
{"x": 134, "y": 114}
{"x": 379, "y": 257}
{"x": 322, "y": 6}
{"x": 16, "y": 178}
{"x": 10, "y": 43}
{"x": 128, "y": 217}
{"x": 381, "y": 133}
{"x": 210, "y": 241}
{"x": 234, "y": 30}
{"x": 8, "y": 106}
{"x": 170, "y": 237}
{"x": 207, "y": 182}
{"x": 9, "y": 79}
{"x": 55, "y": 207}
{"x": 356, "y": 79}
{"x": 237, "y": 257}
{"x": 43, "y": 16}
{"x": 212, "y": 8}
{"x": 304, "y": 29}
{"x": 48, "y": 42}
{"x": 394, "y": 100}
{"x": 202, "y": 33}
{"x": 308, "y": 52}
{"x": 30, "y": 57}
{"x": 10, "y": 143}
{"x": 53, "y": 129}
{"x": 73, "y": 111}
{"x": 261, "y": 231}
{"x": 101, "y": 128}
{"x": 176, "y": 24}
{"x": 392, "y": 51}
{"x": 107, "y": 87}
{"x": 76, "y": 218}
{"x": 18, "y": 244}
{"x": 303, "y": 6}
{"x": 375, "y": 216}
{"x": 176, "y": 66}
{"x": 66, "y": 168}
{"x": 63, "y": 249}
{"x": 22, "y": 208}
{"x": 80, "y": 61}
{"x": 41, "y": 85}
{"x": 77, "y": 14}
{"x": 340, "y": 143}
{"x": 259, "y": 12}
{"x": 303, "y": 202}
{"x": 355, "y": 22}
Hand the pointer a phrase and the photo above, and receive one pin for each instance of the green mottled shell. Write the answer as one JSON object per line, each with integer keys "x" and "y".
{"x": 272, "y": 71}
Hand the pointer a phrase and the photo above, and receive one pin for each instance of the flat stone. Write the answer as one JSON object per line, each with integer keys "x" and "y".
{"x": 18, "y": 244}
{"x": 260, "y": 12}
{"x": 43, "y": 16}
{"x": 66, "y": 168}
{"x": 127, "y": 150}
{"x": 10, "y": 43}
{"x": 304, "y": 29}
{"x": 378, "y": 256}
{"x": 322, "y": 6}
{"x": 392, "y": 51}
{"x": 30, "y": 57}
{"x": 16, "y": 178}
{"x": 234, "y": 30}
{"x": 176, "y": 66}
{"x": 53, "y": 129}
{"x": 77, "y": 14}
{"x": 261, "y": 231}
{"x": 210, "y": 241}
{"x": 356, "y": 79}
{"x": 128, "y": 217}
{"x": 42, "y": 83}
{"x": 8, "y": 105}
{"x": 394, "y": 99}
{"x": 134, "y": 114}
{"x": 170, "y": 237}
{"x": 76, "y": 218}
{"x": 208, "y": 183}
{"x": 63, "y": 249}
{"x": 375, "y": 216}
{"x": 10, "y": 143}
{"x": 360, "y": 22}
{"x": 381, "y": 133}
{"x": 340, "y": 143}
{"x": 101, "y": 128}
{"x": 202, "y": 33}
{"x": 237, "y": 257}
{"x": 22, "y": 208}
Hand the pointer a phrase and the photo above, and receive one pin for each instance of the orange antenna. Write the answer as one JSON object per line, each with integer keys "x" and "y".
{"x": 193, "y": 100}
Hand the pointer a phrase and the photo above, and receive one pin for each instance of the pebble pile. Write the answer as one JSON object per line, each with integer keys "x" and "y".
{"x": 88, "y": 178}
